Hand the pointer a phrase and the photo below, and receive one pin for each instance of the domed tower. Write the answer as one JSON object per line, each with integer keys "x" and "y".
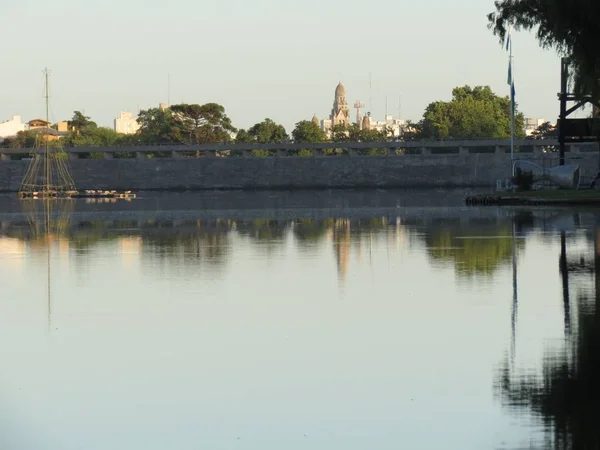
{"x": 315, "y": 120}
{"x": 340, "y": 114}
{"x": 366, "y": 122}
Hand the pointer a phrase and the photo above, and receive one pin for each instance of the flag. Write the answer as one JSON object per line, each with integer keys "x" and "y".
{"x": 509, "y": 73}
{"x": 508, "y": 41}
{"x": 512, "y": 98}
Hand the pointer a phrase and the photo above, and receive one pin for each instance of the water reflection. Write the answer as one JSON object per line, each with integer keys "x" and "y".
{"x": 410, "y": 310}
{"x": 566, "y": 395}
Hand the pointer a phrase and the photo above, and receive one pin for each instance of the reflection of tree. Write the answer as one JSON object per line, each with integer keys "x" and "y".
{"x": 472, "y": 251}
{"x": 269, "y": 234}
{"x": 309, "y": 232}
{"x": 207, "y": 242}
{"x": 567, "y": 395}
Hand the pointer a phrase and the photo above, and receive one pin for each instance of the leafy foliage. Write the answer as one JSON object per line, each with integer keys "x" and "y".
{"x": 570, "y": 27}
{"x": 191, "y": 124}
{"x": 265, "y": 132}
{"x": 544, "y": 131}
{"x": 472, "y": 113}
{"x": 306, "y": 131}
{"x": 204, "y": 124}
{"x": 80, "y": 123}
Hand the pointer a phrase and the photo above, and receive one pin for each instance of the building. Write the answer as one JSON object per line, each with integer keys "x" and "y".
{"x": 10, "y": 128}
{"x": 394, "y": 126}
{"x": 126, "y": 123}
{"x": 340, "y": 113}
{"x": 532, "y": 124}
{"x": 36, "y": 124}
{"x": 62, "y": 126}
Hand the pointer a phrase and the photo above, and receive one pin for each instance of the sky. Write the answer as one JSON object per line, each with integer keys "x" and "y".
{"x": 280, "y": 59}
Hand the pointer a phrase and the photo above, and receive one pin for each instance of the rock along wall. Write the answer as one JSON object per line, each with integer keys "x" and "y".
{"x": 452, "y": 170}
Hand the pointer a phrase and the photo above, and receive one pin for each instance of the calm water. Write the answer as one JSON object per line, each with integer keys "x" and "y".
{"x": 297, "y": 321}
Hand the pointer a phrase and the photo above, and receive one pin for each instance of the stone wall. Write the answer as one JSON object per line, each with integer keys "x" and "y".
{"x": 446, "y": 170}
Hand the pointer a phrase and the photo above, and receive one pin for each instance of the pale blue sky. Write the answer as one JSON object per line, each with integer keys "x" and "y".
{"x": 280, "y": 59}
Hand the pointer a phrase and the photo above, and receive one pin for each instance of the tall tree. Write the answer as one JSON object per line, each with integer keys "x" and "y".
{"x": 472, "y": 113}
{"x": 80, "y": 122}
{"x": 204, "y": 124}
{"x": 571, "y": 27}
{"x": 306, "y": 131}
{"x": 161, "y": 126}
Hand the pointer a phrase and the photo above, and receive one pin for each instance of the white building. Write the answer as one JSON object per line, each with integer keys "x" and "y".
{"x": 11, "y": 127}
{"x": 532, "y": 124}
{"x": 396, "y": 126}
{"x": 126, "y": 123}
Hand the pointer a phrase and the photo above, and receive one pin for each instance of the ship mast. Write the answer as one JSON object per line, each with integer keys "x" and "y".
{"x": 47, "y": 165}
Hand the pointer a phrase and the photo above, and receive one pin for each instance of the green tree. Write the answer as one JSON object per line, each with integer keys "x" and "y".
{"x": 306, "y": 131}
{"x": 472, "y": 113}
{"x": 204, "y": 124}
{"x": 545, "y": 131}
{"x": 80, "y": 122}
{"x": 265, "y": 132}
{"x": 340, "y": 133}
{"x": 568, "y": 26}
{"x": 243, "y": 137}
{"x": 161, "y": 126}
{"x": 23, "y": 139}
{"x": 268, "y": 132}
{"x": 99, "y": 136}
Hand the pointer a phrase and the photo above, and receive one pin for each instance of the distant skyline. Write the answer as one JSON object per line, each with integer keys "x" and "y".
{"x": 280, "y": 60}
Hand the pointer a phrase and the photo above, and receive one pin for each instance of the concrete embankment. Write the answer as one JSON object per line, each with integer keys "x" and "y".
{"x": 405, "y": 171}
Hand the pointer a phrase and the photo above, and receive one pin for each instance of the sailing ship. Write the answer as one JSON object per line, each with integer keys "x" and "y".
{"x": 48, "y": 174}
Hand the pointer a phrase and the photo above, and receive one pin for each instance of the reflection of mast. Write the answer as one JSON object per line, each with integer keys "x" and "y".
{"x": 47, "y": 204}
{"x": 515, "y": 301}
{"x": 48, "y": 224}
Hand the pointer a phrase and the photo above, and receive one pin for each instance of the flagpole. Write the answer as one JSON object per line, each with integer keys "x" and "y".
{"x": 512, "y": 103}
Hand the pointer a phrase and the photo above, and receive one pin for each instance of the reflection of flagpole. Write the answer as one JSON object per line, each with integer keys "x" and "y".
{"x": 511, "y": 83}
{"x": 515, "y": 302}
{"x": 564, "y": 272}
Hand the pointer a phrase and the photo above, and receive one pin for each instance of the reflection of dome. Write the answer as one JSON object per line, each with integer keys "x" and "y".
{"x": 340, "y": 90}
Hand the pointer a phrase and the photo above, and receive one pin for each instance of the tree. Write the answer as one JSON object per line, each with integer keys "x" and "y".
{"x": 268, "y": 132}
{"x": 340, "y": 133}
{"x": 204, "y": 124}
{"x": 306, "y": 131}
{"x": 79, "y": 122}
{"x": 242, "y": 137}
{"x": 545, "y": 131}
{"x": 472, "y": 113}
{"x": 160, "y": 126}
{"x": 568, "y": 26}
{"x": 92, "y": 137}
{"x": 23, "y": 139}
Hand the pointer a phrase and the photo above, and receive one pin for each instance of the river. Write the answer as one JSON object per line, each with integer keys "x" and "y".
{"x": 305, "y": 320}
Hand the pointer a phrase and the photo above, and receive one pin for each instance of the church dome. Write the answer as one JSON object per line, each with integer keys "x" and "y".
{"x": 340, "y": 90}
{"x": 315, "y": 120}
